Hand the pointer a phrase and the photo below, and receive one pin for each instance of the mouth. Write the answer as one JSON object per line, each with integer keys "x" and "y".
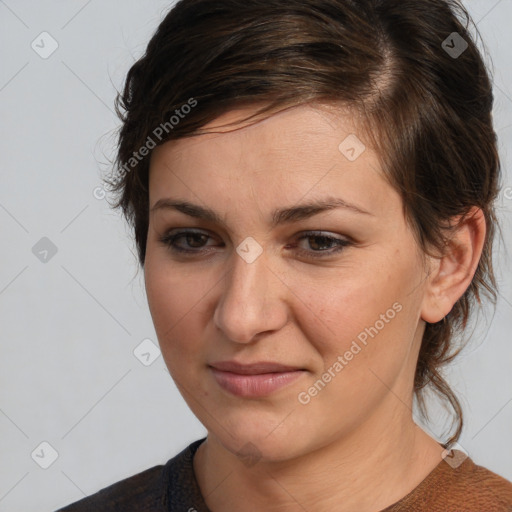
{"x": 256, "y": 379}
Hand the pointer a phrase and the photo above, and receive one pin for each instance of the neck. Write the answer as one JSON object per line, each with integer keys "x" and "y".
{"x": 369, "y": 469}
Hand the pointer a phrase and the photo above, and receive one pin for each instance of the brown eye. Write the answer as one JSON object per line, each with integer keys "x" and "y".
{"x": 322, "y": 245}
{"x": 194, "y": 243}
{"x": 191, "y": 240}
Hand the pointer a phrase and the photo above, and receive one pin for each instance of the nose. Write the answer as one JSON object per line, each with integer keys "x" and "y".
{"x": 253, "y": 300}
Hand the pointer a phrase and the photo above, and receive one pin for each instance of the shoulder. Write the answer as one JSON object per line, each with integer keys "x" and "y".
{"x": 480, "y": 488}
{"x": 157, "y": 489}
{"x": 143, "y": 492}
{"x": 457, "y": 484}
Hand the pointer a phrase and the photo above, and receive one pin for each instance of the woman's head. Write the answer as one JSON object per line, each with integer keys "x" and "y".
{"x": 376, "y": 102}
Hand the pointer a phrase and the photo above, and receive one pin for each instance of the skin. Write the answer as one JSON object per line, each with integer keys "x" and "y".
{"x": 353, "y": 446}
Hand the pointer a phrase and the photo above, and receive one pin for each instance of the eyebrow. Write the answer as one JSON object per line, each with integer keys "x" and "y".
{"x": 279, "y": 216}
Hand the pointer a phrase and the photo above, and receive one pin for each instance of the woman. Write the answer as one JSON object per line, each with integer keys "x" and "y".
{"x": 311, "y": 186}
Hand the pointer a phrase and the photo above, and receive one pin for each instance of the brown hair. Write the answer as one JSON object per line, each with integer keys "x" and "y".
{"x": 427, "y": 110}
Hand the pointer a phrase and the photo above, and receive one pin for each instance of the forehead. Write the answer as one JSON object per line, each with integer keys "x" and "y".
{"x": 298, "y": 152}
{"x": 282, "y": 131}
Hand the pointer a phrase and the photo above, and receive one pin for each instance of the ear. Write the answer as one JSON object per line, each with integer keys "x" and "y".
{"x": 451, "y": 274}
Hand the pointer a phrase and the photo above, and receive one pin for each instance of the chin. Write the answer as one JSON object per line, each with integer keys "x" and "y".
{"x": 255, "y": 438}
{"x": 252, "y": 450}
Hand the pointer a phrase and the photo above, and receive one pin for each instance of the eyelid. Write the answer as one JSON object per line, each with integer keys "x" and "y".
{"x": 341, "y": 242}
{"x": 303, "y": 234}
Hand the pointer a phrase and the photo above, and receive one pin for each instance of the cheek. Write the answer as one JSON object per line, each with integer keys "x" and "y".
{"x": 175, "y": 300}
{"x": 366, "y": 318}
{"x": 342, "y": 308}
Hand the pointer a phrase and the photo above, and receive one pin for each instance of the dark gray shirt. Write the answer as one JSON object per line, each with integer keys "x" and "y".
{"x": 172, "y": 487}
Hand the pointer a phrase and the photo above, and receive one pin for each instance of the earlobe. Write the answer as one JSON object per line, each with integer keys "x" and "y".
{"x": 452, "y": 274}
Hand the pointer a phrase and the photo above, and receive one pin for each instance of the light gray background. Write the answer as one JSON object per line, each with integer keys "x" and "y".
{"x": 68, "y": 373}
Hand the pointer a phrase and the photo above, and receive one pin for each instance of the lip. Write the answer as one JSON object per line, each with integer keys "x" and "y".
{"x": 254, "y": 380}
{"x": 253, "y": 368}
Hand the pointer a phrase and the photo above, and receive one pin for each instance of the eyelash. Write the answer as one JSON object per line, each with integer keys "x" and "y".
{"x": 169, "y": 241}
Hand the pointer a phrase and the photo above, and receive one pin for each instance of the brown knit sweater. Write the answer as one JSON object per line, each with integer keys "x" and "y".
{"x": 455, "y": 486}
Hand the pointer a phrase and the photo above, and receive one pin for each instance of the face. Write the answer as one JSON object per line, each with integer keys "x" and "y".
{"x": 334, "y": 293}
